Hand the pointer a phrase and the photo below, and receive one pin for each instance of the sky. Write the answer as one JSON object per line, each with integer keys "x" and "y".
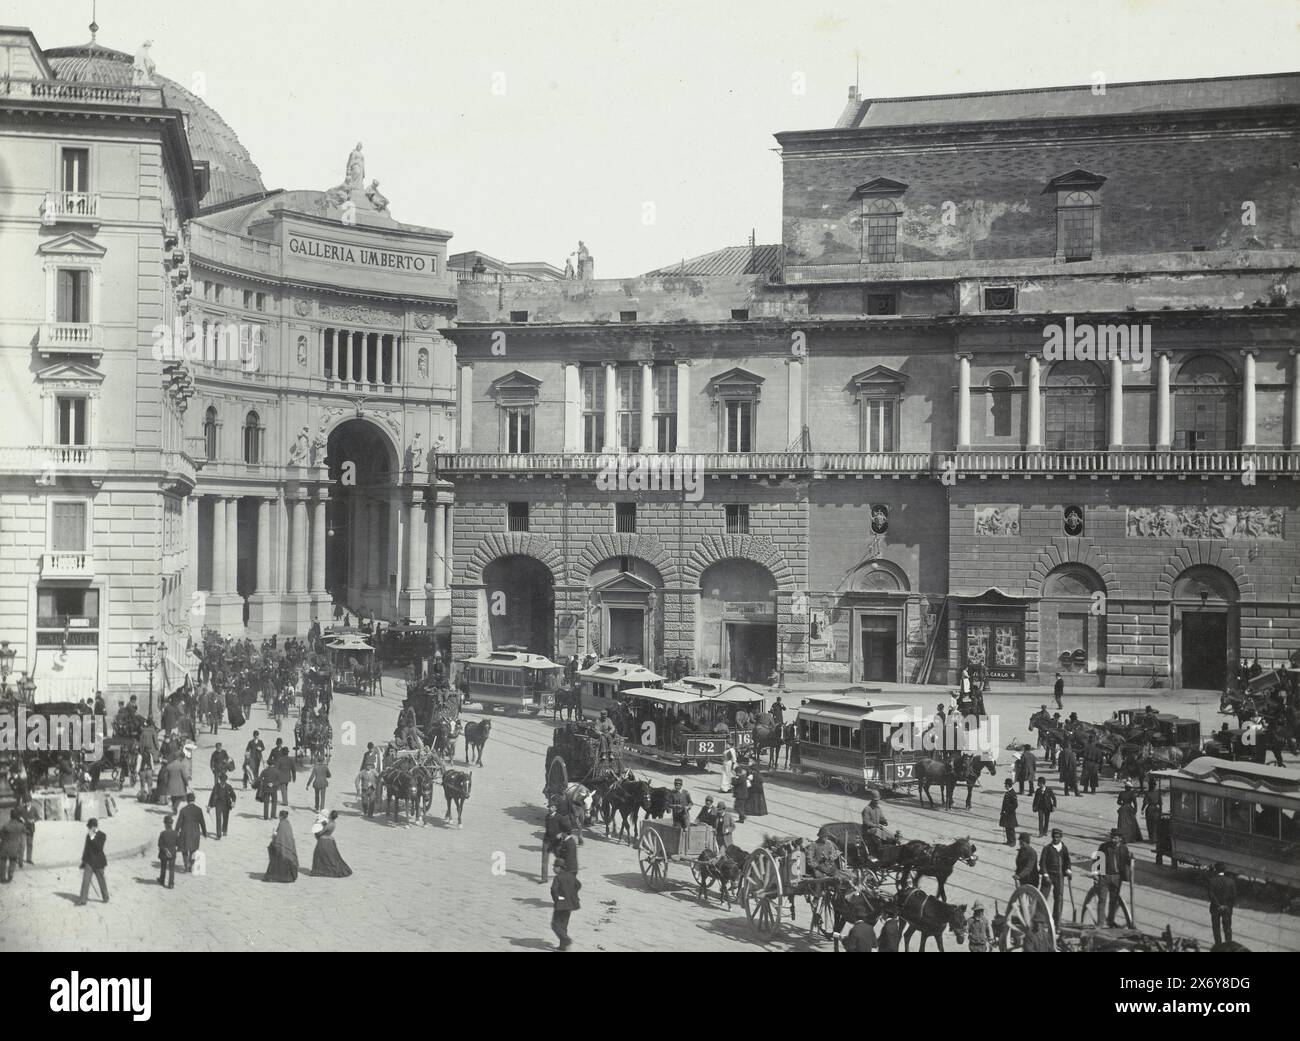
{"x": 644, "y": 129}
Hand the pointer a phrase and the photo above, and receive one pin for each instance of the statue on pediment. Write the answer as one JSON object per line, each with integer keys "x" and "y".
{"x": 301, "y": 449}
{"x": 417, "y": 451}
{"x": 142, "y": 69}
{"x": 355, "y": 178}
{"x": 378, "y": 201}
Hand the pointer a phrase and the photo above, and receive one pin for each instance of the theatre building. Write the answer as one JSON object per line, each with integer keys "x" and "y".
{"x": 1020, "y": 389}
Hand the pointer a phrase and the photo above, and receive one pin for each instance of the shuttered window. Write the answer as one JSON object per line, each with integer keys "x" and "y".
{"x": 73, "y": 303}
{"x": 69, "y": 527}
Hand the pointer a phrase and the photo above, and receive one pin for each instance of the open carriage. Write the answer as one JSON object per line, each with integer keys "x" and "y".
{"x": 777, "y": 873}
{"x": 576, "y": 756}
{"x": 690, "y": 721}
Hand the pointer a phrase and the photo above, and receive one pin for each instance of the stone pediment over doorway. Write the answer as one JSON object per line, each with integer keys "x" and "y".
{"x": 624, "y": 585}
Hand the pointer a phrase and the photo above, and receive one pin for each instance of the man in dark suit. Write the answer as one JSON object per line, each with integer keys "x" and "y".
{"x": 1007, "y": 821}
{"x": 168, "y": 843}
{"x": 1069, "y": 764}
{"x": 1026, "y": 863}
{"x": 1116, "y": 869}
{"x": 564, "y": 899}
{"x": 1223, "y": 897}
{"x": 93, "y": 861}
{"x": 1091, "y": 771}
{"x": 1053, "y": 870}
{"x": 1058, "y": 689}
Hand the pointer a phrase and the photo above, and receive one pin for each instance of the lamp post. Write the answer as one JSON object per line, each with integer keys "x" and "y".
{"x": 146, "y": 656}
{"x": 7, "y": 655}
{"x": 27, "y": 688}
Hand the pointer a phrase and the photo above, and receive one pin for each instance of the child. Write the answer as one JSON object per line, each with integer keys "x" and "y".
{"x": 564, "y": 895}
{"x": 168, "y": 841}
{"x": 979, "y": 932}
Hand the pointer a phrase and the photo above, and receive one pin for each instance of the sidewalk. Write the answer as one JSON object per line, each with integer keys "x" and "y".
{"x": 795, "y": 687}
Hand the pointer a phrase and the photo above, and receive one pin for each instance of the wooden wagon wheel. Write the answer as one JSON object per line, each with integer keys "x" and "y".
{"x": 763, "y": 893}
{"x": 849, "y": 785}
{"x": 557, "y": 777}
{"x": 1091, "y": 912}
{"x": 653, "y": 858}
{"x": 822, "y": 901}
{"x": 701, "y": 879}
{"x": 824, "y": 781}
{"x": 1026, "y": 904}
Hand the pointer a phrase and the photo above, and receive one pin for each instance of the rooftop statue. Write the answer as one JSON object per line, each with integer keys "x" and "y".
{"x": 378, "y": 201}
{"x": 142, "y": 69}
{"x": 355, "y": 179}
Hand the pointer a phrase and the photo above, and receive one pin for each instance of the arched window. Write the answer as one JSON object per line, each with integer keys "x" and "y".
{"x": 882, "y": 231}
{"x": 1075, "y": 408}
{"x": 210, "y": 434}
{"x": 999, "y": 385}
{"x": 1205, "y": 405}
{"x": 1077, "y": 225}
{"x": 252, "y": 439}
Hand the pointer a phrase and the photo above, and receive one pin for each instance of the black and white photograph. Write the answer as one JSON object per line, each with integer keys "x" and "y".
{"x": 658, "y": 478}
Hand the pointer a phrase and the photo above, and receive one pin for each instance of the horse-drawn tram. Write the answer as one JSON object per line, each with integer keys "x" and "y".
{"x": 850, "y": 740}
{"x": 1241, "y": 814}
{"x": 599, "y": 685}
{"x": 689, "y": 721}
{"x": 511, "y": 678}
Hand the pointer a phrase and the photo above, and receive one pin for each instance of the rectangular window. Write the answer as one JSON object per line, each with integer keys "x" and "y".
{"x": 72, "y": 421}
{"x": 882, "y": 303}
{"x": 740, "y": 314}
{"x": 218, "y": 292}
{"x": 625, "y": 518}
{"x": 627, "y": 316}
{"x": 665, "y": 408}
{"x": 519, "y": 430}
{"x": 68, "y": 531}
{"x": 1266, "y": 822}
{"x": 737, "y": 518}
{"x": 629, "y": 407}
{"x": 738, "y": 435}
{"x": 516, "y": 516}
{"x": 1000, "y": 298}
{"x": 73, "y": 304}
{"x": 519, "y": 316}
{"x": 1077, "y": 224}
{"x": 76, "y": 170}
{"x": 1236, "y": 816}
{"x": 882, "y": 239}
{"x": 259, "y": 302}
{"x": 56, "y": 606}
{"x": 248, "y": 299}
{"x": 1205, "y": 420}
{"x": 1209, "y": 810}
{"x": 878, "y": 415}
{"x": 593, "y": 408}
{"x": 1076, "y": 420}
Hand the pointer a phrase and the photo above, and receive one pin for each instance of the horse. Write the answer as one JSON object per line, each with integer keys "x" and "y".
{"x": 967, "y": 771}
{"x": 658, "y": 802}
{"x": 725, "y": 866}
{"x": 774, "y": 738}
{"x": 930, "y": 916}
{"x": 935, "y": 771}
{"x": 578, "y": 801}
{"x": 398, "y": 787}
{"x": 441, "y": 735}
{"x": 456, "y": 785}
{"x": 627, "y": 797}
{"x": 567, "y": 703}
{"x": 476, "y": 735}
{"x": 917, "y": 858}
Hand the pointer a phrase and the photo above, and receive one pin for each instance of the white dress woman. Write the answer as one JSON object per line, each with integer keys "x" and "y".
{"x": 729, "y": 759}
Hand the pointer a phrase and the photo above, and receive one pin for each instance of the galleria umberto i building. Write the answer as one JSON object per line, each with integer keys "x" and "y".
{"x": 1019, "y": 388}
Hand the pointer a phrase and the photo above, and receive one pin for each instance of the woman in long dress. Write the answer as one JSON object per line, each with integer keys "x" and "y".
{"x": 283, "y": 866}
{"x": 757, "y": 799}
{"x": 1126, "y": 819}
{"x": 326, "y": 861}
{"x": 729, "y": 760}
{"x": 234, "y": 711}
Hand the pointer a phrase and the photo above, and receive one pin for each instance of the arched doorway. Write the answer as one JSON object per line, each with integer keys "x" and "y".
{"x": 625, "y": 610}
{"x": 1204, "y": 627}
{"x": 737, "y": 621}
{"x": 1072, "y": 622}
{"x": 360, "y": 565}
{"x": 876, "y": 598}
{"x": 519, "y": 601}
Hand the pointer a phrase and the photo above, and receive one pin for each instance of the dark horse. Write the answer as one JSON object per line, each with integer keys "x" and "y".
{"x": 725, "y": 866}
{"x": 918, "y": 858}
{"x": 476, "y": 735}
{"x": 772, "y": 738}
{"x": 930, "y": 916}
{"x": 456, "y": 785}
{"x": 627, "y": 797}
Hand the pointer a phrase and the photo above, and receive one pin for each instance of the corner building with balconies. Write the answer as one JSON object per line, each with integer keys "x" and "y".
{"x": 1020, "y": 390}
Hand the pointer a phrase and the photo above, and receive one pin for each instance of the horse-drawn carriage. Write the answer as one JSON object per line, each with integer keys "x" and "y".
{"x": 577, "y": 755}
{"x": 690, "y": 721}
{"x": 510, "y": 678}
{"x": 313, "y": 736}
{"x": 352, "y": 663}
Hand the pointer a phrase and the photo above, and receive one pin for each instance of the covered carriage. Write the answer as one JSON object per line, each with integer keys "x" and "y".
{"x": 689, "y": 721}
{"x": 576, "y": 756}
{"x": 855, "y": 741}
{"x": 352, "y": 664}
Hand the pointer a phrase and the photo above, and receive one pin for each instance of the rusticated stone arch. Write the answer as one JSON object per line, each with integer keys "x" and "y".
{"x": 761, "y": 550}
{"x": 1191, "y": 554}
{"x": 1070, "y": 551}
{"x": 644, "y": 547}
{"x": 511, "y": 544}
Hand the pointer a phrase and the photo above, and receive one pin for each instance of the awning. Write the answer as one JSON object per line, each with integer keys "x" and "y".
{"x": 71, "y": 675}
{"x": 669, "y": 697}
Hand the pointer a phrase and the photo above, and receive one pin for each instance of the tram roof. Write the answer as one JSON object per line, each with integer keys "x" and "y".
{"x": 1251, "y": 777}
{"x": 668, "y": 695}
{"x": 349, "y": 642}
{"x": 711, "y": 689}
{"x": 845, "y": 707}
{"x": 523, "y": 658}
{"x": 620, "y": 670}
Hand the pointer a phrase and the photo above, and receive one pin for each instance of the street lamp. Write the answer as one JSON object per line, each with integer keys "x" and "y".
{"x": 27, "y": 689}
{"x": 146, "y": 656}
{"x": 7, "y": 655}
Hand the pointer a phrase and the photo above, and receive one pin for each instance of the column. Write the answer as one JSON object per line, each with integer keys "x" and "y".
{"x": 1295, "y": 397}
{"x": 572, "y": 409}
{"x": 439, "y": 541}
{"x": 1116, "y": 401}
{"x": 418, "y": 537}
{"x": 368, "y": 358}
{"x": 1248, "y": 400}
{"x": 263, "y": 545}
{"x": 611, "y": 407}
{"x": 794, "y": 400}
{"x": 318, "y": 509}
{"x": 1164, "y": 428}
{"x": 298, "y": 547}
{"x": 356, "y": 548}
{"x": 465, "y": 409}
{"x": 647, "y": 407}
{"x": 963, "y": 401}
{"x": 1035, "y": 403}
{"x": 342, "y": 357}
{"x": 232, "y": 545}
{"x": 445, "y": 550}
{"x": 683, "y": 406}
{"x": 374, "y": 528}
{"x": 192, "y": 538}
{"x": 218, "y": 544}
{"x": 359, "y": 359}
{"x": 328, "y": 364}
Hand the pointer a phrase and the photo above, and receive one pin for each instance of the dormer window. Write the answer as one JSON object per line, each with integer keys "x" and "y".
{"x": 1078, "y": 212}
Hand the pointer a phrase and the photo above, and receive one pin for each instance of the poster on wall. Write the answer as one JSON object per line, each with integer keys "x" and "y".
{"x": 996, "y": 645}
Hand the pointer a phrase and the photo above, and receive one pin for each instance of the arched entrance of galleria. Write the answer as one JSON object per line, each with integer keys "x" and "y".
{"x": 737, "y": 620}
{"x": 519, "y": 602}
{"x": 362, "y": 534}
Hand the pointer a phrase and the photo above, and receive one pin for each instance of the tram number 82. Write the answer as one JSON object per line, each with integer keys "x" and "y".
{"x": 699, "y": 747}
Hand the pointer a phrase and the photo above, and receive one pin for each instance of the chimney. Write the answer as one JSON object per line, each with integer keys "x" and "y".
{"x": 849, "y": 117}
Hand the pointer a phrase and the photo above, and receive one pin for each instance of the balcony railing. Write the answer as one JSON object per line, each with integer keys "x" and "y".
{"x": 1174, "y": 462}
{"x": 84, "y": 93}
{"x": 69, "y": 206}
{"x": 67, "y": 565}
{"x": 70, "y": 338}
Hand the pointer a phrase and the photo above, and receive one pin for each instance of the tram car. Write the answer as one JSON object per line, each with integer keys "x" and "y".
{"x": 599, "y": 685}
{"x": 850, "y": 740}
{"x": 689, "y": 721}
{"x": 511, "y": 678}
{"x": 1239, "y": 813}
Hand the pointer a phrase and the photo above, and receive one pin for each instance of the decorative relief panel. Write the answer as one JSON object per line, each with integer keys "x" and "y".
{"x": 359, "y": 314}
{"x": 1205, "y": 522}
{"x": 997, "y": 520}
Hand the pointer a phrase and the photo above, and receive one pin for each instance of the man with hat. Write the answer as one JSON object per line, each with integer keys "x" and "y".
{"x": 679, "y": 801}
{"x": 1091, "y": 770}
{"x": 725, "y": 825}
{"x": 1069, "y": 764}
{"x": 1223, "y": 897}
{"x": 978, "y": 932}
{"x": 873, "y": 823}
{"x": 1007, "y": 821}
{"x": 708, "y": 813}
{"x": 1044, "y": 804}
{"x": 1026, "y": 863}
{"x": 605, "y": 730}
{"x": 1114, "y": 867}
{"x": 564, "y": 899}
{"x": 1026, "y": 770}
{"x": 1053, "y": 870}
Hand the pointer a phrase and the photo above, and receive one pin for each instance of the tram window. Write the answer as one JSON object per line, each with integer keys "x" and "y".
{"x": 1265, "y": 822}
{"x": 839, "y": 736}
{"x": 1209, "y": 810}
{"x": 811, "y": 732}
{"x": 1184, "y": 806}
{"x": 1290, "y": 826}
{"x": 1237, "y": 816}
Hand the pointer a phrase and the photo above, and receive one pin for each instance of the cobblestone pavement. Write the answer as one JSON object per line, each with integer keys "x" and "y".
{"x": 433, "y": 887}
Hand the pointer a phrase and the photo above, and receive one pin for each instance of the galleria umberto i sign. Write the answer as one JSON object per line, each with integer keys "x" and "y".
{"x": 364, "y": 256}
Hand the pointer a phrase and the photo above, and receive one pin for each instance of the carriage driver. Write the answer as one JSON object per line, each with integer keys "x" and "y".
{"x": 679, "y": 801}
{"x": 873, "y": 823}
{"x": 606, "y": 731}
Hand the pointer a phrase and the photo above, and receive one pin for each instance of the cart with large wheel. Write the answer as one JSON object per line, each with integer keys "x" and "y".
{"x": 776, "y": 874}
{"x": 663, "y": 843}
{"x": 1025, "y": 906}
